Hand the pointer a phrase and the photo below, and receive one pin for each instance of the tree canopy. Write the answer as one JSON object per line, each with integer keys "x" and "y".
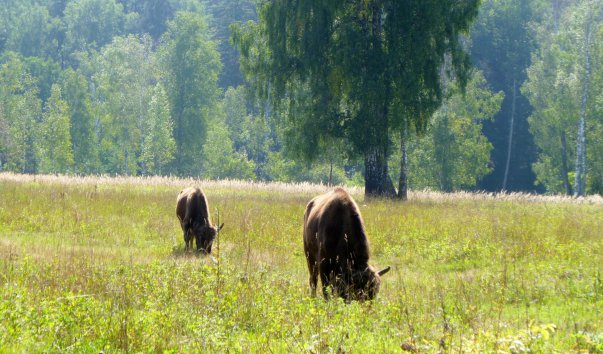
{"x": 355, "y": 71}
{"x": 338, "y": 92}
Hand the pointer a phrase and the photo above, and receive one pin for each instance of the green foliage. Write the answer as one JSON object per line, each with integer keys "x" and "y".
{"x": 592, "y": 343}
{"x": 331, "y": 88}
{"x": 334, "y": 70}
{"x": 152, "y": 15}
{"x": 97, "y": 265}
{"x": 84, "y": 140}
{"x": 84, "y": 30}
{"x": 30, "y": 30}
{"x": 122, "y": 73}
{"x": 45, "y": 72}
{"x": 502, "y": 42}
{"x": 222, "y": 160}
{"x": 223, "y": 14}
{"x": 251, "y": 135}
{"x": 235, "y": 109}
{"x": 158, "y": 146}
{"x": 56, "y": 154}
{"x": 107, "y": 77}
{"x": 258, "y": 139}
{"x": 191, "y": 64}
{"x": 284, "y": 169}
{"x": 454, "y": 154}
{"x": 20, "y": 110}
{"x": 555, "y": 88}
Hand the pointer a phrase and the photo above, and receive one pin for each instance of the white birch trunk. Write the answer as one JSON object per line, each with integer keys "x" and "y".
{"x": 580, "y": 176}
{"x": 510, "y": 143}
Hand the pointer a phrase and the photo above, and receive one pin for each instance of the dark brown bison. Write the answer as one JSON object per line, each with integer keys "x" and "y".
{"x": 193, "y": 212}
{"x": 337, "y": 248}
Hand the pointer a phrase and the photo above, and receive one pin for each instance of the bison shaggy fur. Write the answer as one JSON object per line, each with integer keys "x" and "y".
{"x": 337, "y": 248}
{"x": 193, "y": 212}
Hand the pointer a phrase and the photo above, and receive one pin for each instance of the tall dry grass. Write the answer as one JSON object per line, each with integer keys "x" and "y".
{"x": 281, "y": 187}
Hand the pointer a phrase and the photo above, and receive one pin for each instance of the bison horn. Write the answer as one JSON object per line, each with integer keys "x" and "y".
{"x": 384, "y": 270}
{"x": 221, "y": 226}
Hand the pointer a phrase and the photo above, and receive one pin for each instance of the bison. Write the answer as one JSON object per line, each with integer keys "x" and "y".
{"x": 193, "y": 212}
{"x": 337, "y": 248}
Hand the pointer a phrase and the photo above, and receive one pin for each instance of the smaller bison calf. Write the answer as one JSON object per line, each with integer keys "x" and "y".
{"x": 193, "y": 212}
{"x": 337, "y": 248}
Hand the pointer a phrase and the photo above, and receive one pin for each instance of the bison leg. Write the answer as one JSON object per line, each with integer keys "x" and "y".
{"x": 325, "y": 277}
{"x": 188, "y": 242}
{"x": 313, "y": 269}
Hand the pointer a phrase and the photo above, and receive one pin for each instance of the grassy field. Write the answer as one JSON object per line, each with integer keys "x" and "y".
{"x": 97, "y": 264}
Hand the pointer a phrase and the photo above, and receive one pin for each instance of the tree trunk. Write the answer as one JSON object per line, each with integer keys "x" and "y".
{"x": 580, "y": 177}
{"x": 403, "y": 181}
{"x": 377, "y": 182}
{"x": 330, "y": 172}
{"x": 443, "y": 144}
{"x": 127, "y": 156}
{"x": 564, "y": 169}
{"x": 443, "y": 136}
{"x": 376, "y": 178}
{"x": 510, "y": 143}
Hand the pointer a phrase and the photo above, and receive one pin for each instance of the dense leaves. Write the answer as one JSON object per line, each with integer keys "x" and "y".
{"x": 20, "y": 110}
{"x": 191, "y": 64}
{"x": 564, "y": 86}
{"x": 333, "y": 92}
{"x": 454, "y": 154}
{"x": 158, "y": 145}
{"x": 355, "y": 71}
{"x": 55, "y": 152}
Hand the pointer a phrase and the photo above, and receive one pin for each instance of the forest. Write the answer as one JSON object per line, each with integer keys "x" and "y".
{"x": 493, "y": 95}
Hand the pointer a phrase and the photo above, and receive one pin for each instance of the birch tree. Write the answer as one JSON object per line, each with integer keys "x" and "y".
{"x": 564, "y": 88}
{"x": 338, "y": 69}
{"x": 123, "y": 73}
{"x": 580, "y": 178}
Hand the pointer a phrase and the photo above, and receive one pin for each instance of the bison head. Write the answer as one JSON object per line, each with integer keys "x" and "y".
{"x": 365, "y": 283}
{"x": 204, "y": 236}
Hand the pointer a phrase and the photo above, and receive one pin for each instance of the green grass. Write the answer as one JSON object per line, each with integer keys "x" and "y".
{"x": 95, "y": 266}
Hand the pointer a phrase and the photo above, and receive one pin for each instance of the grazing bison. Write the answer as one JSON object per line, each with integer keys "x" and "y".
{"x": 337, "y": 248}
{"x": 193, "y": 212}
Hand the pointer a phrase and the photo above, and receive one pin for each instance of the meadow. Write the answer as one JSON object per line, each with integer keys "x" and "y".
{"x": 98, "y": 264}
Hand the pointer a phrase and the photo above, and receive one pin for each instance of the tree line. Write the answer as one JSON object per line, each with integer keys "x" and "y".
{"x": 494, "y": 95}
